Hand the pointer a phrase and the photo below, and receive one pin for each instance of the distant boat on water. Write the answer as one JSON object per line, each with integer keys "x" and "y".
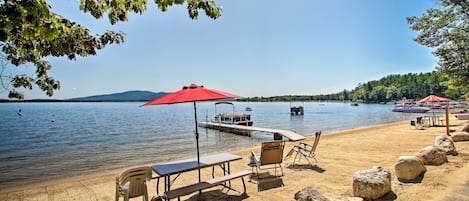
{"x": 410, "y": 109}
{"x": 408, "y": 106}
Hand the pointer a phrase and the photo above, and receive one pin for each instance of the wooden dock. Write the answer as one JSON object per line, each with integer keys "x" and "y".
{"x": 292, "y": 136}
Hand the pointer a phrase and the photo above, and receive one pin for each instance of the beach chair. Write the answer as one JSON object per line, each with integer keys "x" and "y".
{"x": 271, "y": 157}
{"x": 305, "y": 150}
{"x": 133, "y": 183}
{"x": 418, "y": 124}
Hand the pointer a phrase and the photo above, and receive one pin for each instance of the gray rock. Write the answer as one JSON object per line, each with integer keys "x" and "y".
{"x": 459, "y": 137}
{"x": 447, "y": 144}
{"x": 372, "y": 183}
{"x": 309, "y": 194}
{"x": 433, "y": 155}
{"x": 409, "y": 168}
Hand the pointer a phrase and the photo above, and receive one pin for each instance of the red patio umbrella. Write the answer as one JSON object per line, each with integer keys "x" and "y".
{"x": 192, "y": 93}
{"x": 433, "y": 98}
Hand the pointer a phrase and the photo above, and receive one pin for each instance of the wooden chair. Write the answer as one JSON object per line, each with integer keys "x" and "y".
{"x": 271, "y": 157}
{"x": 133, "y": 183}
{"x": 305, "y": 150}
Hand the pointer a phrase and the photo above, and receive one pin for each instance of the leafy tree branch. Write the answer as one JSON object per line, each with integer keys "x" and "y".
{"x": 29, "y": 32}
{"x": 447, "y": 31}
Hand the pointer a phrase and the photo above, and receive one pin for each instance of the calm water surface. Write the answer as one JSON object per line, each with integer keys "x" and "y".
{"x": 51, "y": 140}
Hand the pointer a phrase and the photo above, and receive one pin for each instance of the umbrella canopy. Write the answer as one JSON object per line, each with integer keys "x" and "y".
{"x": 433, "y": 98}
{"x": 192, "y": 93}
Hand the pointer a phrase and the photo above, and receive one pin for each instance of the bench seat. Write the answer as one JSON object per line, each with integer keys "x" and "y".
{"x": 186, "y": 190}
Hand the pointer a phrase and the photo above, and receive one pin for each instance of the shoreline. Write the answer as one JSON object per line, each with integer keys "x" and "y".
{"x": 117, "y": 171}
{"x": 340, "y": 153}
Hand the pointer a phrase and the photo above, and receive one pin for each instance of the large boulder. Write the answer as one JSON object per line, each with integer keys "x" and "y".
{"x": 372, "y": 183}
{"x": 446, "y": 143}
{"x": 433, "y": 155}
{"x": 409, "y": 168}
{"x": 459, "y": 137}
{"x": 309, "y": 194}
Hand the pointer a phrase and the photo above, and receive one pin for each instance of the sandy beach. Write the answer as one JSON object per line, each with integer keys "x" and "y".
{"x": 340, "y": 154}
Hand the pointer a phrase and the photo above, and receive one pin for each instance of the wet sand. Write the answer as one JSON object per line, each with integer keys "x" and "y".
{"x": 339, "y": 155}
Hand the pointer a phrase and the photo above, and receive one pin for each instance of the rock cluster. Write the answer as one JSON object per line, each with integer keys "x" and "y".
{"x": 374, "y": 183}
{"x": 410, "y": 168}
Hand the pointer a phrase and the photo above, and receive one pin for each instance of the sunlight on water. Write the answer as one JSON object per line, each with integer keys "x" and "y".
{"x": 52, "y": 140}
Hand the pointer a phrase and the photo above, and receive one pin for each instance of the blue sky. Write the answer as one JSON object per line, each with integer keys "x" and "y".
{"x": 256, "y": 48}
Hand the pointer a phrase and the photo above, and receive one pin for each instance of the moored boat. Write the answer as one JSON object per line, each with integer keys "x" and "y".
{"x": 409, "y": 106}
{"x": 233, "y": 118}
{"x": 410, "y": 109}
{"x": 463, "y": 116}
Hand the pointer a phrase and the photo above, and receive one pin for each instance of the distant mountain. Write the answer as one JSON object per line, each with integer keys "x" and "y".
{"x": 121, "y": 97}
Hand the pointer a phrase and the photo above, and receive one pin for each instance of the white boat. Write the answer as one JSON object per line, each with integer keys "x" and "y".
{"x": 409, "y": 106}
{"x": 463, "y": 116}
{"x": 233, "y": 118}
{"x": 410, "y": 109}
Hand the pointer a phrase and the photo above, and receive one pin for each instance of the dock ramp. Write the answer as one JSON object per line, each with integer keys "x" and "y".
{"x": 290, "y": 135}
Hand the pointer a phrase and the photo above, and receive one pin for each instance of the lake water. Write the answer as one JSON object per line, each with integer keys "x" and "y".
{"x": 51, "y": 140}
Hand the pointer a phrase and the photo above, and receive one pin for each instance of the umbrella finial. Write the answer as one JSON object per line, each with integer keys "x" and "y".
{"x": 193, "y": 86}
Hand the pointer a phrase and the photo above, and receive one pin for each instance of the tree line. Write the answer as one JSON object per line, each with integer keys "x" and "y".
{"x": 390, "y": 88}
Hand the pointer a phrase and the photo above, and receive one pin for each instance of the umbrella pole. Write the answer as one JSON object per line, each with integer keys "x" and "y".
{"x": 197, "y": 141}
{"x": 196, "y": 133}
{"x": 447, "y": 120}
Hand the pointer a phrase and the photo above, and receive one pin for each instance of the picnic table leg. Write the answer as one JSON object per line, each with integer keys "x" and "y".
{"x": 157, "y": 186}
{"x": 229, "y": 172}
{"x": 168, "y": 183}
{"x": 213, "y": 172}
{"x": 244, "y": 184}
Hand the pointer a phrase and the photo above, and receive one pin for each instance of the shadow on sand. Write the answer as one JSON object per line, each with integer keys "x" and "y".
{"x": 306, "y": 167}
{"x": 216, "y": 194}
{"x": 388, "y": 197}
{"x": 416, "y": 180}
{"x": 266, "y": 181}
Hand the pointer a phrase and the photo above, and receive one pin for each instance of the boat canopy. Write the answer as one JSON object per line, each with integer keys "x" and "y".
{"x": 224, "y": 102}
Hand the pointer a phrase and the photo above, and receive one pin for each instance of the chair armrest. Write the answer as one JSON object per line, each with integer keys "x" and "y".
{"x": 305, "y": 146}
{"x": 254, "y": 159}
{"x": 117, "y": 181}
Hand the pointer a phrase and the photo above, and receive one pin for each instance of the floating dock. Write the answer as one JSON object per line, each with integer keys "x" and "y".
{"x": 238, "y": 129}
